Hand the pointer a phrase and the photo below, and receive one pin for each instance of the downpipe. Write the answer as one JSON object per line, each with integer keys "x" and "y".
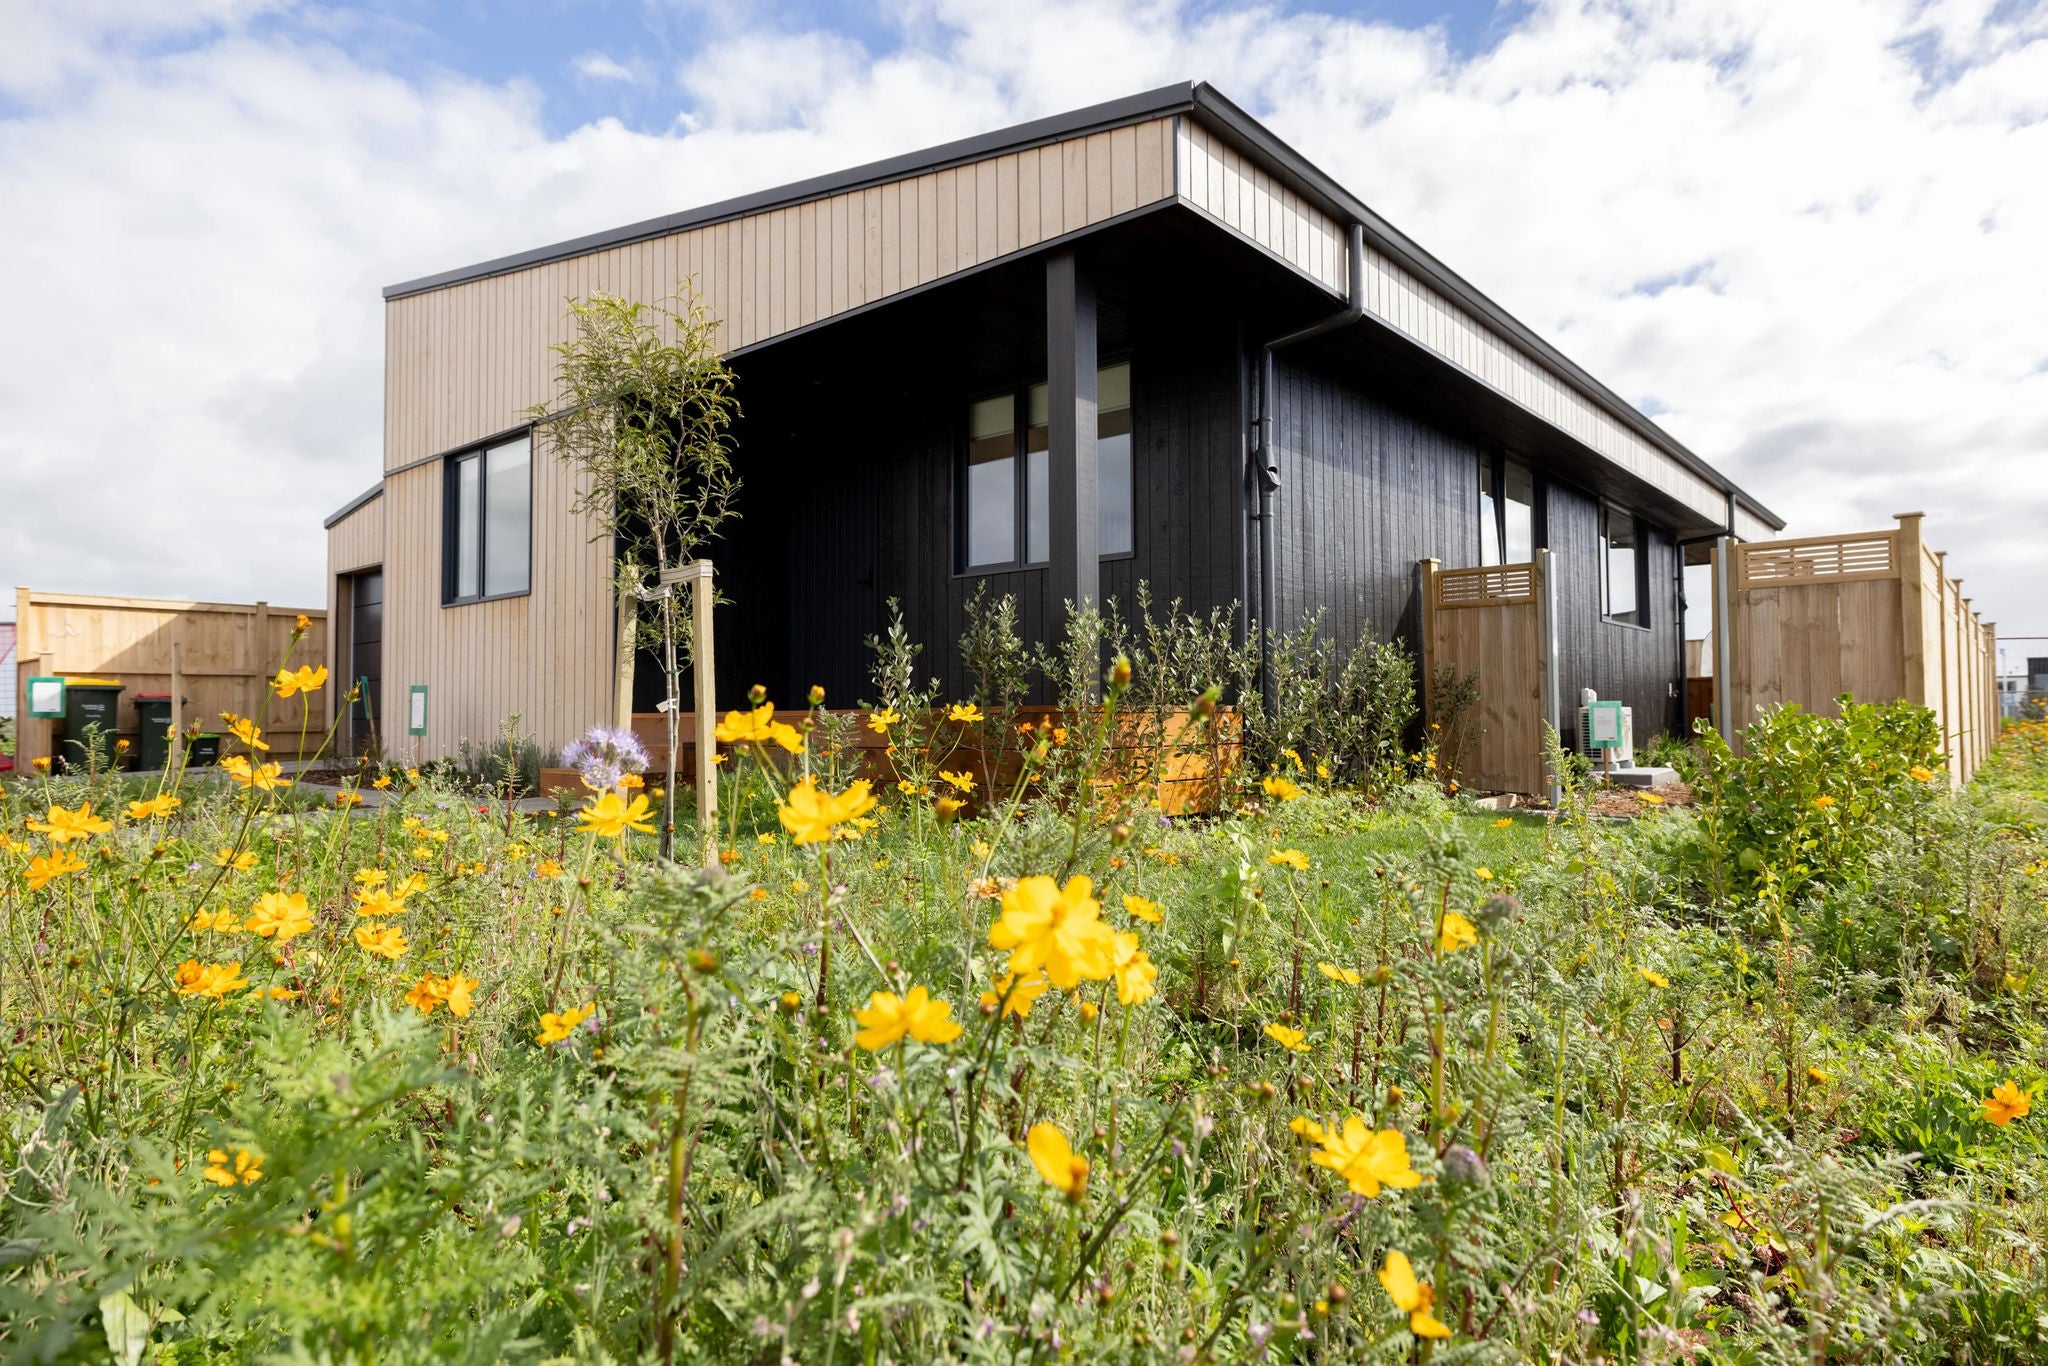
{"x": 1266, "y": 461}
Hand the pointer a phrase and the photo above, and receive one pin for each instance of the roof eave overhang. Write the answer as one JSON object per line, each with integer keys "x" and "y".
{"x": 375, "y": 490}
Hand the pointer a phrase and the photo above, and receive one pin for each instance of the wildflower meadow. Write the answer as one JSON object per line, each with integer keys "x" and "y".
{"x": 970, "y": 1054}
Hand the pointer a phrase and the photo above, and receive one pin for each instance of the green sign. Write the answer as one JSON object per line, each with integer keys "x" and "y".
{"x": 46, "y": 698}
{"x": 416, "y": 712}
{"x": 1603, "y": 725}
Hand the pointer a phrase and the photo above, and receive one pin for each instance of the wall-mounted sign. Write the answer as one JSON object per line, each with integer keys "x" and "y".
{"x": 1603, "y": 725}
{"x": 416, "y": 714}
{"x": 46, "y": 698}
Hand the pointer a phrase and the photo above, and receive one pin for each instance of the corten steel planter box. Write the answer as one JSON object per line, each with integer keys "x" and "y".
{"x": 1188, "y": 781}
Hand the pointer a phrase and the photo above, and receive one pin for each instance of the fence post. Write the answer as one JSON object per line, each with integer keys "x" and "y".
{"x": 1546, "y": 636}
{"x": 706, "y": 705}
{"x": 1429, "y": 569}
{"x": 1724, "y": 638}
{"x": 176, "y": 751}
{"x": 1912, "y": 561}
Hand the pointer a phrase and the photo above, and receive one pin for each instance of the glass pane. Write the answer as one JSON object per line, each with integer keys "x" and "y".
{"x": 1489, "y": 515}
{"x": 1518, "y": 510}
{"x": 1038, "y": 503}
{"x": 508, "y": 488}
{"x": 992, "y": 509}
{"x": 468, "y": 498}
{"x": 1113, "y": 480}
{"x": 1620, "y": 566}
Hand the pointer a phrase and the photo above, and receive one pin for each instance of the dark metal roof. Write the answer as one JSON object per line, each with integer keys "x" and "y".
{"x": 1183, "y": 97}
{"x": 375, "y": 490}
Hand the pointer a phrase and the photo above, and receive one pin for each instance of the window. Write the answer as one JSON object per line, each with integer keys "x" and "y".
{"x": 1007, "y": 491}
{"x": 1622, "y": 564}
{"x": 1507, "y": 512}
{"x": 489, "y": 523}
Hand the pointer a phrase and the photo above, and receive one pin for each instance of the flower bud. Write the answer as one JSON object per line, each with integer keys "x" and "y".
{"x": 1463, "y": 1169}
{"x": 1120, "y": 673}
{"x": 817, "y": 695}
{"x": 757, "y": 694}
{"x": 1120, "y": 834}
{"x": 703, "y": 961}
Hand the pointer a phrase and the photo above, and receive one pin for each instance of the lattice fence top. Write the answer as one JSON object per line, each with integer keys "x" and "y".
{"x": 1488, "y": 587}
{"x": 1873, "y": 556}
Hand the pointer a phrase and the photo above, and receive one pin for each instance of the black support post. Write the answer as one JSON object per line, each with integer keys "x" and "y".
{"x": 1070, "y": 394}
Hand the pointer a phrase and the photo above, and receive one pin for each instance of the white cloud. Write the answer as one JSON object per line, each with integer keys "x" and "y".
{"x": 1809, "y": 232}
{"x": 595, "y": 66}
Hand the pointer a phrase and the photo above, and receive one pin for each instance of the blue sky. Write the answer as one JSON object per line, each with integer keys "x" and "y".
{"x": 1806, "y": 236}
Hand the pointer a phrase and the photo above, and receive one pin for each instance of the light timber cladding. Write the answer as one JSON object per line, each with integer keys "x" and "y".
{"x": 357, "y": 540}
{"x": 465, "y": 361}
{"x": 544, "y": 655}
{"x": 1491, "y": 623}
{"x": 1235, "y": 189}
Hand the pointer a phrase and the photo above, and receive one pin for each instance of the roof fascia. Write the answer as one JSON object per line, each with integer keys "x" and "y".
{"x": 375, "y": 490}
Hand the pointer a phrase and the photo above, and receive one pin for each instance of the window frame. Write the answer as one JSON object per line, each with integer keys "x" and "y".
{"x": 1639, "y": 620}
{"x": 1020, "y": 456}
{"x": 451, "y": 519}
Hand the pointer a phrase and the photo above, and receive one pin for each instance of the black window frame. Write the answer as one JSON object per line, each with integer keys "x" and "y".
{"x": 1639, "y": 619}
{"x": 451, "y": 466}
{"x": 1020, "y": 438}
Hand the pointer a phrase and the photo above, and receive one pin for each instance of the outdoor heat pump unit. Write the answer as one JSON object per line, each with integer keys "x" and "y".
{"x": 1625, "y": 756}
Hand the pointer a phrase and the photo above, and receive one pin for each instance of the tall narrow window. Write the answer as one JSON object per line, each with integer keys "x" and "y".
{"x": 1006, "y": 494}
{"x": 1489, "y": 511}
{"x": 1621, "y": 568}
{"x": 488, "y": 547}
{"x": 1118, "y": 529}
{"x": 1517, "y": 513}
{"x": 992, "y": 481}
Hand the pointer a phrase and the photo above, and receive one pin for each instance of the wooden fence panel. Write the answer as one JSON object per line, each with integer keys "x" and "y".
{"x": 225, "y": 655}
{"x": 1873, "y": 615}
{"x": 1494, "y": 622}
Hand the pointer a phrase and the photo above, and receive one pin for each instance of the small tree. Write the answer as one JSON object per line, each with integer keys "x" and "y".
{"x": 644, "y": 409}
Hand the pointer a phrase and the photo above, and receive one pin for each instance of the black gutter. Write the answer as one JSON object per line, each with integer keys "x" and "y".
{"x": 375, "y": 490}
{"x": 1309, "y": 180}
{"x": 1167, "y": 99}
{"x": 1265, "y": 461}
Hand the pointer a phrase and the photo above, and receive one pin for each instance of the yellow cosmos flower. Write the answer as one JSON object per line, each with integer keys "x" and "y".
{"x": 305, "y": 678}
{"x": 1019, "y": 998}
{"x": 1817, "y": 1076}
{"x": 380, "y": 782}
{"x": 382, "y": 941}
{"x": 1289, "y": 858}
{"x": 610, "y": 816}
{"x": 1483, "y": 873}
{"x": 555, "y": 1028}
{"x": 810, "y": 814}
{"x": 889, "y": 1018}
{"x": 1281, "y": 789}
{"x": 371, "y": 877}
{"x": 452, "y": 991}
{"x": 1293, "y": 1040}
{"x": 1655, "y": 979}
{"x": 967, "y": 713}
{"x": 949, "y": 807}
{"x": 1348, "y": 976}
{"x": 1147, "y": 911}
{"x": 245, "y": 730}
{"x": 758, "y": 727}
{"x": 425, "y": 995}
{"x": 1065, "y": 1170}
{"x": 1059, "y": 929}
{"x": 1412, "y": 1297}
{"x": 246, "y": 1168}
{"x": 282, "y": 916}
{"x": 263, "y": 778}
{"x": 379, "y": 901}
{"x": 218, "y": 922}
{"x": 1504, "y": 822}
{"x": 234, "y": 862}
{"x": 412, "y": 884}
{"x": 1649, "y": 799}
{"x": 1365, "y": 1159}
{"x": 345, "y": 799}
{"x": 1922, "y": 773}
{"x": 1456, "y": 933}
{"x": 41, "y": 763}
{"x": 44, "y": 869}
{"x": 2007, "y": 1103}
{"x": 211, "y": 980}
{"x": 1133, "y": 971}
{"x": 1823, "y": 803}
{"x": 962, "y": 781}
{"x": 158, "y": 806}
{"x": 301, "y": 622}
{"x": 880, "y": 721}
{"x": 63, "y": 825}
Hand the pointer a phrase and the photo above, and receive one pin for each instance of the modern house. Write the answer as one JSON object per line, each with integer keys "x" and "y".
{"x": 1143, "y": 341}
